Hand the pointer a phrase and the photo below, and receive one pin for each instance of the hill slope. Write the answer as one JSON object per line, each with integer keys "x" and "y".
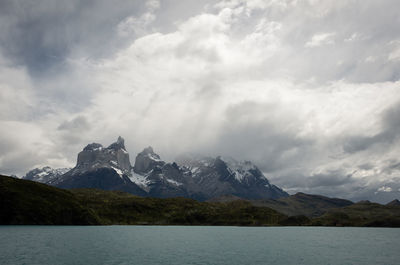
{"x": 361, "y": 214}
{"x": 28, "y": 202}
{"x": 303, "y": 204}
{"x": 123, "y": 208}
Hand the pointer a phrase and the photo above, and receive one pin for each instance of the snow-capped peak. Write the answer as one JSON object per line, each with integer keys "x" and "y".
{"x": 239, "y": 169}
{"x": 45, "y": 174}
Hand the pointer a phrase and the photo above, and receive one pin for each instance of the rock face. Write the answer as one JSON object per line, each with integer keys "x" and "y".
{"x": 146, "y": 161}
{"x": 200, "y": 178}
{"x": 158, "y": 178}
{"x": 95, "y": 156}
{"x": 102, "y": 168}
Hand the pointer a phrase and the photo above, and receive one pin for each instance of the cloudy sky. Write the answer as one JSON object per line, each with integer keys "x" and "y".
{"x": 308, "y": 90}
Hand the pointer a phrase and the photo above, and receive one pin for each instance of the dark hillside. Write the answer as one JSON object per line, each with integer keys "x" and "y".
{"x": 28, "y": 202}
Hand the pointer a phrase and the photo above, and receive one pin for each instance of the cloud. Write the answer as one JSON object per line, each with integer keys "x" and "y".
{"x": 16, "y": 90}
{"x": 43, "y": 34}
{"x": 394, "y": 55}
{"x": 321, "y": 39}
{"x": 384, "y": 189}
{"x": 388, "y": 134}
{"x": 79, "y": 123}
{"x": 330, "y": 179}
{"x": 138, "y": 26}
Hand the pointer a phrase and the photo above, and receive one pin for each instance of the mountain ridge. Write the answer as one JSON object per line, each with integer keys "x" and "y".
{"x": 109, "y": 168}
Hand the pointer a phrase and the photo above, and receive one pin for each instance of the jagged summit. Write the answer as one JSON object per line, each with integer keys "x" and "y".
{"x": 93, "y": 147}
{"x": 119, "y": 144}
{"x": 95, "y": 156}
{"x": 147, "y": 160}
{"x": 148, "y": 150}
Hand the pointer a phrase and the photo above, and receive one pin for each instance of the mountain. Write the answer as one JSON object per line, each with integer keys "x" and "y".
{"x": 158, "y": 178}
{"x": 200, "y": 178}
{"x": 215, "y": 177}
{"x": 394, "y": 203}
{"x": 45, "y": 175}
{"x": 106, "y": 168}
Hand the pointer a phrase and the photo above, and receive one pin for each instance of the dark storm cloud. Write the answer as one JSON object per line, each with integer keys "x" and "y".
{"x": 78, "y": 123}
{"x": 389, "y": 133}
{"x": 330, "y": 178}
{"x": 392, "y": 167}
{"x": 263, "y": 133}
{"x": 41, "y": 34}
{"x": 366, "y": 166}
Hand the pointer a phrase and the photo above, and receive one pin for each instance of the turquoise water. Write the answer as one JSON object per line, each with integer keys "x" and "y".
{"x": 198, "y": 245}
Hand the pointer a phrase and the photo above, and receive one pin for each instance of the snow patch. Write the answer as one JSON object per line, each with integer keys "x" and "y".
{"x": 119, "y": 171}
{"x": 239, "y": 169}
{"x": 176, "y": 183}
{"x": 124, "y": 151}
{"x": 153, "y": 157}
{"x": 140, "y": 180}
{"x": 194, "y": 169}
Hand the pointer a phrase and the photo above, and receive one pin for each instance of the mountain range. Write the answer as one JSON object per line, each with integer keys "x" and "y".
{"x": 191, "y": 176}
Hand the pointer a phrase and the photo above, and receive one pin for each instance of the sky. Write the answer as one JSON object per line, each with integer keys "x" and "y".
{"x": 308, "y": 90}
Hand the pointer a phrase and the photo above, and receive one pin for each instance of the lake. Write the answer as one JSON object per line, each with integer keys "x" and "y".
{"x": 197, "y": 245}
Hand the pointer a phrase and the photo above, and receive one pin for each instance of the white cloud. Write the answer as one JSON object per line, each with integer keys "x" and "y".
{"x": 394, "y": 55}
{"x": 321, "y": 39}
{"x": 133, "y": 25}
{"x": 370, "y": 59}
{"x": 385, "y": 189}
{"x": 153, "y": 5}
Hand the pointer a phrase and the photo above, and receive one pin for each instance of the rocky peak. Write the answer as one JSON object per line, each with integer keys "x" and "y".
{"x": 242, "y": 170}
{"x": 95, "y": 156}
{"x": 147, "y": 160}
{"x": 93, "y": 147}
{"x": 119, "y": 144}
{"x": 149, "y": 151}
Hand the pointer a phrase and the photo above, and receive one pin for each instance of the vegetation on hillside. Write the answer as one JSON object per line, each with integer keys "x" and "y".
{"x": 361, "y": 214}
{"x": 28, "y": 202}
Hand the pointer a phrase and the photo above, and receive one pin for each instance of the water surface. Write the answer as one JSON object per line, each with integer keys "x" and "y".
{"x": 197, "y": 245}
